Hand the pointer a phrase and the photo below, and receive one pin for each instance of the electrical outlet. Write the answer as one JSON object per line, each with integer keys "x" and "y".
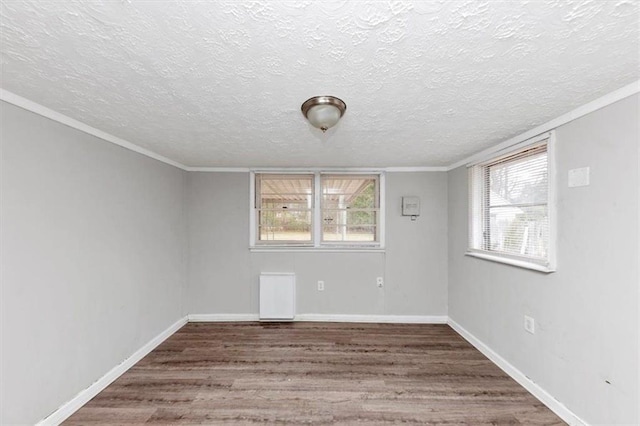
{"x": 379, "y": 282}
{"x": 530, "y": 324}
{"x": 320, "y": 285}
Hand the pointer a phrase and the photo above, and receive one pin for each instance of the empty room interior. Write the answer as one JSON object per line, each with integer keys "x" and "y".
{"x": 295, "y": 212}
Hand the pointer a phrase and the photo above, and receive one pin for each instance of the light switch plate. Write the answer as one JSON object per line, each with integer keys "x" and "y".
{"x": 579, "y": 177}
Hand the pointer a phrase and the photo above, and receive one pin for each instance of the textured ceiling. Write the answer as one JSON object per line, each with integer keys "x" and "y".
{"x": 221, "y": 83}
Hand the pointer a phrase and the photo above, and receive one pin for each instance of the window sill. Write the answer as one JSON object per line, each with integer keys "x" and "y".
{"x": 334, "y": 249}
{"x": 513, "y": 262}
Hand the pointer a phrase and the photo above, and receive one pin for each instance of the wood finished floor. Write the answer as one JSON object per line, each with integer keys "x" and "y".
{"x": 314, "y": 373}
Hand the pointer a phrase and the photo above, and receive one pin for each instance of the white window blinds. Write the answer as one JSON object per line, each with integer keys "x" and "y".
{"x": 509, "y": 205}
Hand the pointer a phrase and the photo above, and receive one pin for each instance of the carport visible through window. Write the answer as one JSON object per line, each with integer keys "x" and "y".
{"x": 350, "y": 207}
{"x": 284, "y": 205}
{"x": 316, "y": 209}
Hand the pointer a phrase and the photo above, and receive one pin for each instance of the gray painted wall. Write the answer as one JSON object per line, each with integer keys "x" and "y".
{"x": 93, "y": 267}
{"x": 223, "y": 274}
{"x": 99, "y": 245}
{"x": 587, "y": 312}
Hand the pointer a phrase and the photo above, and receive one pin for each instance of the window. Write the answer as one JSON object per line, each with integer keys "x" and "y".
{"x": 350, "y": 208}
{"x": 284, "y": 208}
{"x": 321, "y": 210}
{"x": 511, "y": 207}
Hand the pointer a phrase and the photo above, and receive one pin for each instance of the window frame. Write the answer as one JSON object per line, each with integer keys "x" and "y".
{"x": 256, "y": 212}
{"x": 478, "y": 233}
{"x": 316, "y": 243}
{"x": 376, "y": 209}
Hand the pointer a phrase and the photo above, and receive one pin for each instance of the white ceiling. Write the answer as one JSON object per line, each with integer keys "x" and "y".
{"x": 221, "y": 83}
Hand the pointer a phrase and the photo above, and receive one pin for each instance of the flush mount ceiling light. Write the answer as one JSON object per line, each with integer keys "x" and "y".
{"x": 323, "y": 112}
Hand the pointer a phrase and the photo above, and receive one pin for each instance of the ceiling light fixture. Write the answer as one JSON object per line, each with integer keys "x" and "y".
{"x": 323, "y": 112}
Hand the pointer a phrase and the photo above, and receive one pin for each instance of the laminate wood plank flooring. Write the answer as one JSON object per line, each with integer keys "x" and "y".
{"x": 314, "y": 373}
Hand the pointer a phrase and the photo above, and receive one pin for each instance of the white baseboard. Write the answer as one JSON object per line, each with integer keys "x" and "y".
{"x": 66, "y": 410}
{"x": 399, "y": 319}
{"x": 223, "y": 317}
{"x": 554, "y": 405}
{"x": 396, "y": 319}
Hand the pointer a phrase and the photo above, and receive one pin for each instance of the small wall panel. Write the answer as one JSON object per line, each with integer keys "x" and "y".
{"x": 277, "y": 296}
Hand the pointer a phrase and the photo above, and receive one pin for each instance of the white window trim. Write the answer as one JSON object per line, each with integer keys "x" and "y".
{"x": 551, "y": 264}
{"x": 316, "y": 244}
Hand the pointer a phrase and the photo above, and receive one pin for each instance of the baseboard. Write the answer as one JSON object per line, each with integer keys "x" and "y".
{"x": 554, "y": 405}
{"x": 396, "y": 319}
{"x": 223, "y": 317}
{"x": 399, "y": 319}
{"x": 66, "y": 410}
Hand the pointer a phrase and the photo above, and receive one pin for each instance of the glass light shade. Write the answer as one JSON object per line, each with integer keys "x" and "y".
{"x": 323, "y": 112}
{"x": 323, "y": 116}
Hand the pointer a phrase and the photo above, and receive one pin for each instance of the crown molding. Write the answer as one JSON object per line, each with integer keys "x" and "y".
{"x": 416, "y": 169}
{"x": 42, "y": 110}
{"x": 608, "y": 99}
{"x": 316, "y": 169}
{"x": 588, "y": 108}
{"x": 219, "y": 169}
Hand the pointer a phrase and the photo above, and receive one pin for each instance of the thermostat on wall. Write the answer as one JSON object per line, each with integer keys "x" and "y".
{"x": 410, "y": 206}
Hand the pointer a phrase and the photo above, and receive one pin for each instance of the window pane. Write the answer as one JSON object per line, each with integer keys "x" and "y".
{"x": 294, "y": 191}
{"x": 349, "y": 208}
{"x": 285, "y": 225}
{"x": 523, "y": 181}
{"x": 348, "y": 217}
{"x": 521, "y": 231}
{"x": 348, "y": 233}
{"x": 284, "y": 205}
{"x": 349, "y": 192}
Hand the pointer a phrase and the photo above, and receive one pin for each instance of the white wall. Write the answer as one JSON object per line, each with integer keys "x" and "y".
{"x": 223, "y": 274}
{"x": 93, "y": 267}
{"x": 587, "y": 312}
